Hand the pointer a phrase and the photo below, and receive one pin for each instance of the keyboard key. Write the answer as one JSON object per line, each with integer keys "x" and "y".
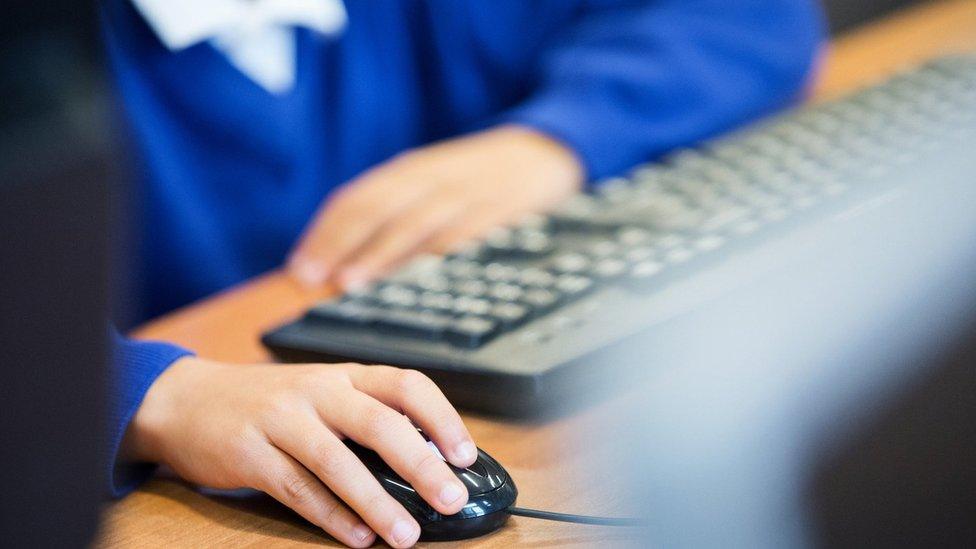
{"x": 465, "y": 305}
{"x": 670, "y": 240}
{"x": 395, "y": 295}
{"x": 423, "y": 324}
{"x": 471, "y": 331}
{"x": 760, "y": 199}
{"x": 724, "y": 218}
{"x": 365, "y": 292}
{"x": 614, "y": 190}
{"x": 534, "y": 243}
{"x": 633, "y": 236}
{"x": 610, "y": 268}
{"x": 436, "y": 301}
{"x": 571, "y": 263}
{"x": 645, "y": 270}
{"x": 604, "y": 248}
{"x": 470, "y": 251}
{"x": 419, "y": 267}
{"x": 433, "y": 283}
{"x": 672, "y": 213}
{"x": 462, "y": 268}
{"x": 501, "y": 238}
{"x": 505, "y": 292}
{"x": 709, "y": 242}
{"x": 540, "y": 300}
{"x": 574, "y": 285}
{"x": 640, "y": 253}
{"x": 471, "y": 288}
{"x": 499, "y": 272}
{"x": 509, "y": 314}
{"x": 539, "y": 278}
{"x": 577, "y": 210}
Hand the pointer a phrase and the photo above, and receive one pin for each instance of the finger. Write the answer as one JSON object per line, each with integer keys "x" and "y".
{"x": 391, "y": 435}
{"x": 488, "y": 215}
{"x": 345, "y": 224}
{"x": 423, "y": 402}
{"x": 293, "y": 485}
{"x": 309, "y": 441}
{"x": 475, "y": 226}
{"x": 401, "y": 237}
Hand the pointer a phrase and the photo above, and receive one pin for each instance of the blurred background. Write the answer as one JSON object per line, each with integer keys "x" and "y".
{"x": 56, "y": 182}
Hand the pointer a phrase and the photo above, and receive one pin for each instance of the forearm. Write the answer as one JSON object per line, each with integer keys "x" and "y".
{"x": 627, "y": 83}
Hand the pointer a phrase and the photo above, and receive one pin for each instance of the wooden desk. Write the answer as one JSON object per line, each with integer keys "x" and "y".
{"x": 168, "y": 513}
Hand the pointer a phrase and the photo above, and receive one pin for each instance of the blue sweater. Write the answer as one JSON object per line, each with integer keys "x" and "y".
{"x": 229, "y": 174}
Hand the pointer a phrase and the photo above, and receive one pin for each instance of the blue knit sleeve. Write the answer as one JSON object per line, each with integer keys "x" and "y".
{"x": 135, "y": 366}
{"x": 630, "y": 80}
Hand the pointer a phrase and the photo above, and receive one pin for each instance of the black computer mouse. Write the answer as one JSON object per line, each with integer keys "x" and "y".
{"x": 490, "y": 492}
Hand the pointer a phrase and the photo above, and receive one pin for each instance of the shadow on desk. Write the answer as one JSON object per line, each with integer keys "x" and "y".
{"x": 241, "y": 510}
{"x": 251, "y": 511}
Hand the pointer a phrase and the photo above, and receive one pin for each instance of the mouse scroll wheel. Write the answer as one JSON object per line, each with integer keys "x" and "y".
{"x": 477, "y": 468}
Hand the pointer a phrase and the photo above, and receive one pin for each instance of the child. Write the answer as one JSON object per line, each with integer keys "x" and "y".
{"x": 345, "y": 137}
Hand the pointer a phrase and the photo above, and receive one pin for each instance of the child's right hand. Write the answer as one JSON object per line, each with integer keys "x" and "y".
{"x": 279, "y": 429}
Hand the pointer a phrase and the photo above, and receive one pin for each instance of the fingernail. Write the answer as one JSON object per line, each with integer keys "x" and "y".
{"x": 465, "y": 451}
{"x": 309, "y": 273}
{"x": 402, "y": 531}
{"x": 450, "y": 493}
{"x": 362, "y": 532}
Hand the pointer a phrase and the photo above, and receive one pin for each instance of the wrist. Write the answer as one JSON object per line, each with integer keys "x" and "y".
{"x": 559, "y": 158}
{"x": 145, "y": 436}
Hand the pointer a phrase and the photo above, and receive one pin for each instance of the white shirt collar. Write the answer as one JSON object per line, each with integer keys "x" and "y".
{"x": 255, "y": 35}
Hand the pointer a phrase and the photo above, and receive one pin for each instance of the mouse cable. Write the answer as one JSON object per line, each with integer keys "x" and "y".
{"x": 580, "y": 519}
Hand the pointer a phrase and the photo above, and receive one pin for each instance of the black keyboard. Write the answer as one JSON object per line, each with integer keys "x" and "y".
{"x": 524, "y": 319}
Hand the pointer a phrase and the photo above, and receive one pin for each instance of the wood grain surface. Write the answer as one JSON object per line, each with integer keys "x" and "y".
{"x": 540, "y": 455}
